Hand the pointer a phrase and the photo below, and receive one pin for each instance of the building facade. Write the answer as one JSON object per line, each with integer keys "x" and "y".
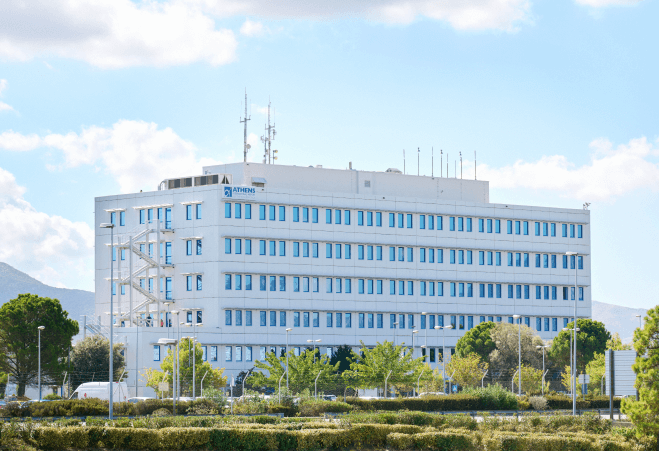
{"x": 264, "y": 255}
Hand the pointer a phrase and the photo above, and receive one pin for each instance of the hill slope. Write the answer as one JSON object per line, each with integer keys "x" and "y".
{"x": 617, "y": 318}
{"x": 14, "y": 282}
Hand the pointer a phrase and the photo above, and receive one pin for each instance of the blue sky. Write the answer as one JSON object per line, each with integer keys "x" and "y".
{"x": 558, "y": 98}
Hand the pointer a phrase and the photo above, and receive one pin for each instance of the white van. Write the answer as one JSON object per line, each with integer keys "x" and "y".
{"x": 101, "y": 390}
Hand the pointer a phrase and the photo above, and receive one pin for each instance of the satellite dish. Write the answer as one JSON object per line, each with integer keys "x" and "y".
{"x": 248, "y": 146}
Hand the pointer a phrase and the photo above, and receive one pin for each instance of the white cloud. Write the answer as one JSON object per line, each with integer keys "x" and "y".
{"x": 136, "y": 153}
{"x": 4, "y": 106}
{"x": 253, "y": 29}
{"x": 460, "y": 14}
{"x": 611, "y": 172}
{"x": 49, "y": 248}
{"x": 602, "y": 3}
{"x": 113, "y": 34}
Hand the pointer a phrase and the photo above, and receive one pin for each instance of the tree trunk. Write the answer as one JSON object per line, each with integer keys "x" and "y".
{"x": 20, "y": 390}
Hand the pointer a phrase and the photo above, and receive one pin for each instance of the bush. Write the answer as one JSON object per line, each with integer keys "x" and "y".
{"x": 538, "y": 403}
{"x": 493, "y": 397}
{"x": 315, "y": 408}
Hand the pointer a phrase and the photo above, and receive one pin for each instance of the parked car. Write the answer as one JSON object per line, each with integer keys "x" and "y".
{"x": 329, "y": 397}
{"x": 137, "y": 399}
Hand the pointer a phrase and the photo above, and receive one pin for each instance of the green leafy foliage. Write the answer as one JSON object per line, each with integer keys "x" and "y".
{"x": 467, "y": 371}
{"x": 477, "y": 341}
{"x": 384, "y": 360}
{"x": 493, "y": 397}
{"x": 344, "y": 356}
{"x": 591, "y": 340}
{"x": 19, "y": 322}
{"x": 302, "y": 373}
{"x": 644, "y": 413}
{"x": 214, "y": 378}
{"x": 507, "y": 338}
{"x": 90, "y": 360}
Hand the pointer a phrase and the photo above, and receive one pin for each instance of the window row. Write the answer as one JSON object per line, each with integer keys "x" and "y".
{"x": 377, "y": 320}
{"x": 401, "y": 220}
{"x": 305, "y": 284}
{"x": 305, "y": 249}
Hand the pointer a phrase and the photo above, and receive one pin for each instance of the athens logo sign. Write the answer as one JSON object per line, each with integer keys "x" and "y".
{"x": 239, "y": 192}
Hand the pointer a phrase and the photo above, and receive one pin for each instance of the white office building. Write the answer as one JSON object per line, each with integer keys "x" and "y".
{"x": 249, "y": 250}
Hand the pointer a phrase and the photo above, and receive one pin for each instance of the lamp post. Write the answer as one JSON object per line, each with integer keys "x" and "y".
{"x": 40, "y": 328}
{"x": 175, "y": 358}
{"x": 576, "y": 297}
{"x": 572, "y": 359}
{"x": 543, "y": 368}
{"x": 170, "y": 342}
{"x": 413, "y": 333}
{"x": 425, "y": 341}
{"x": 444, "y": 353}
{"x": 194, "y": 357}
{"x": 640, "y": 322}
{"x": 287, "y": 331}
{"x": 108, "y": 225}
{"x": 519, "y": 352}
{"x": 313, "y": 343}
{"x": 395, "y": 327}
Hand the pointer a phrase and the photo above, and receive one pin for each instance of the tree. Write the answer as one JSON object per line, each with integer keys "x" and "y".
{"x": 19, "y": 320}
{"x": 432, "y": 380}
{"x": 467, "y": 371}
{"x": 566, "y": 380}
{"x": 477, "y": 341}
{"x": 615, "y": 344}
{"x": 591, "y": 339}
{"x": 90, "y": 360}
{"x": 214, "y": 376}
{"x": 595, "y": 369}
{"x": 506, "y": 355}
{"x": 531, "y": 380}
{"x": 302, "y": 371}
{"x": 343, "y": 355}
{"x": 644, "y": 413}
{"x": 374, "y": 365}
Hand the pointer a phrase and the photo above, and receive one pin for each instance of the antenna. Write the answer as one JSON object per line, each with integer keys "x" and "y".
{"x": 460, "y": 165}
{"x": 267, "y": 139}
{"x": 245, "y": 148}
{"x": 475, "y": 165}
{"x": 418, "y": 153}
{"x": 404, "y": 161}
{"x": 432, "y": 164}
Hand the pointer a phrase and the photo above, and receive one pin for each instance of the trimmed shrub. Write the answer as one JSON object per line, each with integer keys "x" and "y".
{"x": 538, "y": 403}
{"x": 315, "y": 408}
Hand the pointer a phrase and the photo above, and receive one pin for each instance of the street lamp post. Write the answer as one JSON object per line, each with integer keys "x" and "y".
{"x": 170, "y": 342}
{"x": 543, "y": 368}
{"x": 576, "y": 297}
{"x": 313, "y": 343}
{"x": 640, "y": 322}
{"x": 107, "y": 225}
{"x": 414, "y": 332}
{"x": 40, "y": 328}
{"x": 573, "y": 362}
{"x": 425, "y": 342}
{"x": 175, "y": 358}
{"x": 519, "y": 351}
{"x": 194, "y": 357}
{"x": 444, "y": 353}
{"x": 287, "y": 331}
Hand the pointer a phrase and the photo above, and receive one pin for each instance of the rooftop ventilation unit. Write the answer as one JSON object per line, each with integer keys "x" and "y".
{"x": 394, "y": 170}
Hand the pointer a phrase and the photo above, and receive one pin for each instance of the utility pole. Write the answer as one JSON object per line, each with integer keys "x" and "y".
{"x": 244, "y": 120}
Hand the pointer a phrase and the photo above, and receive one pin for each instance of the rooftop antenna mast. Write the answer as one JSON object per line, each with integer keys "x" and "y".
{"x": 460, "y": 165}
{"x": 267, "y": 140}
{"x": 246, "y": 146}
{"x": 404, "y": 161}
{"x": 418, "y": 153}
{"x": 475, "y": 165}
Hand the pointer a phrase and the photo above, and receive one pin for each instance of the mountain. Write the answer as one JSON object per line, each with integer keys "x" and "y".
{"x": 619, "y": 319}
{"x": 14, "y": 282}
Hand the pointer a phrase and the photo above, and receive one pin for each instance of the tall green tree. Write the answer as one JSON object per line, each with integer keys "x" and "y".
{"x": 506, "y": 355}
{"x": 90, "y": 360}
{"x": 344, "y": 356}
{"x": 374, "y": 365}
{"x": 592, "y": 339}
{"x": 467, "y": 371}
{"x": 19, "y": 320}
{"x": 477, "y": 341}
{"x": 644, "y": 413}
{"x": 302, "y": 371}
{"x": 213, "y": 376}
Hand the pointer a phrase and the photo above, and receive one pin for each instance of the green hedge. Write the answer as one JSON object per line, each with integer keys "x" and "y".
{"x": 395, "y": 437}
{"x": 565, "y": 402}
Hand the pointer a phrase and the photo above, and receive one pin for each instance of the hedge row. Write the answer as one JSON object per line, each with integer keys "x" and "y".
{"x": 459, "y": 402}
{"x": 398, "y": 437}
